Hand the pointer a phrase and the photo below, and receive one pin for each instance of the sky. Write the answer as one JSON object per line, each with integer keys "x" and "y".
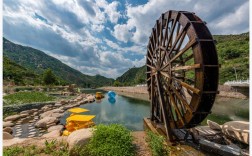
{"x": 107, "y": 37}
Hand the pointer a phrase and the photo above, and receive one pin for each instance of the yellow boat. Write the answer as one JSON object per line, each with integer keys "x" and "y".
{"x": 75, "y": 111}
{"x": 99, "y": 95}
{"x": 76, "y": 121}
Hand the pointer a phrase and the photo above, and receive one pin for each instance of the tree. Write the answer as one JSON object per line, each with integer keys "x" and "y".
{"x": 48, "y": 77}
{"x": 117, "y": 83}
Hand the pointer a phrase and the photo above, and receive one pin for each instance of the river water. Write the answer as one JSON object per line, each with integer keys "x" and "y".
{"x": 130, "y": 111}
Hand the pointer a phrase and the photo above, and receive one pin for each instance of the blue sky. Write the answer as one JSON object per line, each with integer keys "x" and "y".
{"x": 107, "y": 37}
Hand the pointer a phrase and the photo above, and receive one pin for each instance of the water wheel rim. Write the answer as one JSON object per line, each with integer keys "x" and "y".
{"x": 205, "y": 62}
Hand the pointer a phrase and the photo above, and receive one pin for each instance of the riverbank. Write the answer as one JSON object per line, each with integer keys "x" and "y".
{"x": 142, "y": 93}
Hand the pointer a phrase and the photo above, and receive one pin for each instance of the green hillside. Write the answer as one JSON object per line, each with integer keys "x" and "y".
{"x": 17, "y": 73}
{"x": 37, "y": 61}
{"x": 233, "y": 54}
{"x": 133, "y": 76}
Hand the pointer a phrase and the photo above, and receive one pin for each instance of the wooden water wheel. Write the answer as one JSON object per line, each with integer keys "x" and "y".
{"x": 182, "y": 71}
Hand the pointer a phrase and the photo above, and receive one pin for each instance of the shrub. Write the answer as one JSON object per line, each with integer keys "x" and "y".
{"x": 156, "y": 143}
{"x": 111, "y": 140}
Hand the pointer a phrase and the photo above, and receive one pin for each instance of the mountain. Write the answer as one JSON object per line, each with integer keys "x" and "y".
{"x": 37, "y": 61}
{"x": 19, "y": 74}
{"x": 233, "y": 55}
{"x": 133, "y": 76}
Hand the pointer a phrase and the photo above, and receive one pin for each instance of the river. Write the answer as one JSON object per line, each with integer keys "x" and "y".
{"x": 130, "y": 111}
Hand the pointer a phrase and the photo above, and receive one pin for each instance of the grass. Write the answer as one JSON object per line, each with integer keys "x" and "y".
{"x": 53, "y": 148}
{"x": 156, "y": 144}
{"x": 26, "y": 97}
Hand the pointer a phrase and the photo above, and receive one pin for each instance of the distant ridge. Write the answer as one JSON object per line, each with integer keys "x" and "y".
{"x": 37, "y": 61}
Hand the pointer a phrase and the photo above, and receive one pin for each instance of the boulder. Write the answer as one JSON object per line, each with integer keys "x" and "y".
{"x": 79, "y": 137}
{"x": 238, "y": 130}
{"x": 25, "y": 112}
{"x": 78, "y": 98}
{"x": 63, "y": 102}
{"x": 7, "y": 124}
{"x": 57, "y": 104}
{"x": 52, "y": 134}
{"x": 8, "y": 130}
{"x": 51, "y": 113}
{"x": 57, "y": 127}
{"x": 90, "y": 98}
{"x": 46, "y": 121}
{"x": 13, "y": 117}
{"x": 7, "y": 136}
{"x": 214, "y": 125}
{"x": 57, "y": 115}
{"x": 35, "y": 113}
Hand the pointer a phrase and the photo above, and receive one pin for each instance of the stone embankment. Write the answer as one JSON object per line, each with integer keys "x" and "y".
{"x": 46, "y": 118}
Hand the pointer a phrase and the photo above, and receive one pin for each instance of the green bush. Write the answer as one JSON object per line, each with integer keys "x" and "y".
{"x": 111, "y": 140}
{"x": 156, "y": 143}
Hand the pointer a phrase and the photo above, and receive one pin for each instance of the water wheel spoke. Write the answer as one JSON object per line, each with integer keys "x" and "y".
{"x": 149, "y": 52}
{"x": 195, "y": 66}
{"x": 195, "y": 90}
{"x": 151, "y": 66}
{"x": 165, "y": 115}
{"x": 149, "y": 59}
{"x": 188, "y": 46}
{"x": 178, "y": 37}
{"x": 182, "y": 99}
{"x": 188, "y": 58}
{"x": 177, "y": 109}
{"x": 172, "y": 30}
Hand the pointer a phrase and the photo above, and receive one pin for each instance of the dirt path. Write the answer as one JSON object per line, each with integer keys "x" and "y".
{"x": 141, "y": 144}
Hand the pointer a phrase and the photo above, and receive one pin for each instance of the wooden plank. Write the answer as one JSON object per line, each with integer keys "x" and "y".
{"x": 195, "y": 66}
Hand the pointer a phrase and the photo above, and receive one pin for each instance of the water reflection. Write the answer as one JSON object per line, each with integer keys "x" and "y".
{"x": 122, "y": 110}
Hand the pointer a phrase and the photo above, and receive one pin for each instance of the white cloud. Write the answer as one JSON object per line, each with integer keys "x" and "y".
{"x": 122, "y": 33}
{"x": 110, "y": 9}
{"x": 233, "y": 23}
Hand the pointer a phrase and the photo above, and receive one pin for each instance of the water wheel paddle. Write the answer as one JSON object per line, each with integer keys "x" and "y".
{"x": 182, "y": 71}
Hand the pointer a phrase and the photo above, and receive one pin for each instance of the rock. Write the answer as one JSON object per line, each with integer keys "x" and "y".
{"x": 34, "y": 110}
{"x": 57, "y": 110}
{"x": 24, "y": 115}
{"x": 79, "y": 137}
{"x": 51, "y": 113}
{"x": 57, "y": 127}
{"x": 90, "y": 98}
{"x": 57, "y": 115}
{"x": 7, "y": 124}
{"x": 57, "y": 104}
{"x": 238, "y": 130}
{"x": 52, "y": 134}
{"x": 7, "y": 136}
{"x": 63, "y": 108}
{"x": 25, "y": 112}
{"x": 78, "y": 98}
{"x": 63, "y": 102}
{"x": 13, "y": 117}
{"x": 8, "y": 130}
{"x": 214, "y": 125}
{"x": 35, "y": 113}
{"x": 46, "y": 121}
